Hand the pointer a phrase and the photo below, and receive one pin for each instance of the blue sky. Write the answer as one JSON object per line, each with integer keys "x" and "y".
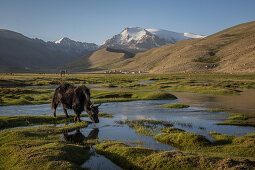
{"x": 98, "y": 20}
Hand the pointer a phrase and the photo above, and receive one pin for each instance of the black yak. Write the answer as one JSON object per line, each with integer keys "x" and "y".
{"x": 76, "y": 98}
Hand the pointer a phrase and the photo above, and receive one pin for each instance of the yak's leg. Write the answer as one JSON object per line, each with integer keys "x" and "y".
{"x": 77, "y": 116}
{"x": 79, "y": 119}
{"x": 65, "y": 111}
{"x": 54, "y": 112}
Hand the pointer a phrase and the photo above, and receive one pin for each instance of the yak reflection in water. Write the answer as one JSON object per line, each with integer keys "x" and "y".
{"x": 79, "y": 138}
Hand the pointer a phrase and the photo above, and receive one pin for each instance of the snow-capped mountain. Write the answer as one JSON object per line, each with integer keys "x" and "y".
{"x": 134, "y": 39}
{"x": 140, "y": 39}
{"x": 66, "y": 44}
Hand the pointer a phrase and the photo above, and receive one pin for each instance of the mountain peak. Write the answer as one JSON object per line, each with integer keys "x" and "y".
{"x": 62, "y": 40}
{"x": 132, "y": 33}
{"x": 136, "y": 39}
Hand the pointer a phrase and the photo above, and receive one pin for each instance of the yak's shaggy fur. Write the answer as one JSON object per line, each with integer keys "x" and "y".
{"x": 76, "y": 98}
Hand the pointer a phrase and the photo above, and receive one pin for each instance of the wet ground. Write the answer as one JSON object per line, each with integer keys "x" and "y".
{"x": 193, "y": 119}
{"x": 243, "y": 103}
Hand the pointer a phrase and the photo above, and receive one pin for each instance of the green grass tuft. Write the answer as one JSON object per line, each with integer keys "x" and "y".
{"x": 238, "y": 119}
{"x": 146, "y": 127}
{"x": 176, "y": 105}
{"x": 182, "y": 139}
{"x": 237, "y": 116}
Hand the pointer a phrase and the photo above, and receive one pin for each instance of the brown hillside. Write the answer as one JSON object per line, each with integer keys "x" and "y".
{"x": 231, "y": 51}
{"x": 102, "y": 59}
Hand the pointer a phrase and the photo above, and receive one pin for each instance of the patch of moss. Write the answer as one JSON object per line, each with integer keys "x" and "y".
{"x": 40, "y": 147}
{"x": 237, "y": 116}
{"x": 18, "y": 96}
{"x": 237, "y": 123}
{"x": 176, "y": 105}
{"x": 100, "y": 96}
{"x": 228, "y": 146}
{"x": 158, "y": 96}
{"x": 221, "y": 139}
{"x": 238, "y": 119}
{"x": 108, "y": 115}
{"x": 171, "y": 130}
{"x": 146, "y": 127}
{"x": 182, "y": 139}
{"x": 124, "y": 156}
{"x": 143, "y": 158}
{"x": 219, "y": 110}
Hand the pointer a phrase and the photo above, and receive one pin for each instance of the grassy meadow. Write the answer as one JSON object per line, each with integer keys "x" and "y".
{"x": 42, "y": 146}
{"x": 40, "y": 87}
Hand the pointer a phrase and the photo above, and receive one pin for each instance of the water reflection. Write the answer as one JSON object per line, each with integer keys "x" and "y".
{"x": 79, "y": 138}
{"x": 244, "y": 103}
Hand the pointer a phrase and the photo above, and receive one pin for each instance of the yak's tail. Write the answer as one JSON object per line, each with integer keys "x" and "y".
{"x": 54, "y": 101}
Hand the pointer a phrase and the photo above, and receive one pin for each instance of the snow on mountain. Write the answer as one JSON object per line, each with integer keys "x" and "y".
{"x": 190, "y": 35}
{"x": 133, "y": 33}
{"x": 140, "y": 39}
{"x": 173, "y": 37}
{"x": 134, "y": 39}
{"x": 77, "y": 46}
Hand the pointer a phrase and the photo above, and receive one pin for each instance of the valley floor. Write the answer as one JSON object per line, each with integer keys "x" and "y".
{"x": 36, "y": 141}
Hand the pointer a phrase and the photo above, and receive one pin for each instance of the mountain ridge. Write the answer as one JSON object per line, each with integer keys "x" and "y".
{"x": 229, "y": 51}
{"x": 18, "y": 52}
{"x": 136, "y": 39}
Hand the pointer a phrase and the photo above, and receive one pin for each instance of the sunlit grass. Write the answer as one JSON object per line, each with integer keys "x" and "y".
{"x": 176, "y": 105}
{"x": 238, "y": 119}
{"x": 40, "y": 147}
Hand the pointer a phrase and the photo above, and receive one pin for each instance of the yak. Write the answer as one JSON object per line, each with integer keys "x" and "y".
{"x": 76, "y": 98}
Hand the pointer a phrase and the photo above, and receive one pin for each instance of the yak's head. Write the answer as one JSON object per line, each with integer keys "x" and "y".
{"x": 93, "y": 113}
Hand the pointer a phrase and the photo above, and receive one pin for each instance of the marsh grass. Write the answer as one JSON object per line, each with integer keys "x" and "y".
{"x": 175, "y": 105}
{"x": 223, "y": 146}
{"x": 238, "y": 119}
{"x": 100, "y": 96}
{"x": 219, "y": 110}
{"x": 41, "y": 147}
{"x": 16, "y": 121}
{"x": 146, "y": 127}
{"x": 237, "y": 116}
{"x": 218, "y": 84}
{"x": 18, "y": 96}
{"x": 196, "y": 152}
{"x": 182, "y": 139}
{"x": 143, "y": 158}
{"x": 222, "y": 84}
